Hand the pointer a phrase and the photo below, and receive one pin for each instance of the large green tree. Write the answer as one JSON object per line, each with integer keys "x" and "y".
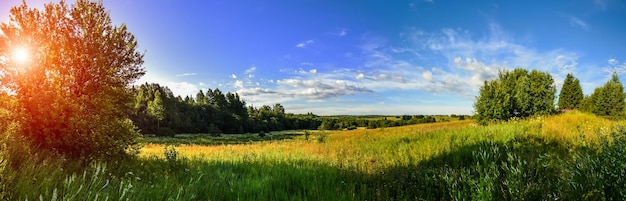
{"x": 607, "y": 100}
{"x": 72, "y": 92}
{"x": 516, "y": 93}
{"x": 571, "y": 94}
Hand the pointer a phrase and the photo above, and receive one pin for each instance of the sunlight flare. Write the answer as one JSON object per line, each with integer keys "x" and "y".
{"x": 21, "y": 55}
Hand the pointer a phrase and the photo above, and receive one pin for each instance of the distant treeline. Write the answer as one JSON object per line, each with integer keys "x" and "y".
{"x": 158, "y": 111}
{"x": 351, "y": 122}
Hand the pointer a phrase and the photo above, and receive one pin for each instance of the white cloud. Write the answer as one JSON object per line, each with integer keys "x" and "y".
{"x": 478, "y": 70}
{"x": 360, "y": 76}
{"x": 233, "y": 76}
{"x": 427, "y": 75}
{"x": 304, "y": 43}
{"x": 309, "y": 72}
{"x": 320, "y": 89}
{"x": 250, "y": 70}
{"x": 182, "y": 88}
{"x": 185, "y": 74}
{"x": 613, "y": 61}
{"x": 254, "y": 91}
{"x": 238, "y": 84}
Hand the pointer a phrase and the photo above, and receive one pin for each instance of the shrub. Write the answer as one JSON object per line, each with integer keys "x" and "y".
{"x": 321, "y": 138}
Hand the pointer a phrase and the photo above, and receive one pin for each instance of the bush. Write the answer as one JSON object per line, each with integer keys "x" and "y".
{"x": 262, "y": 134}
{"x": 321, "y": 138}
{"x": 306, "y": 135}
{"x": 170, "y": 153}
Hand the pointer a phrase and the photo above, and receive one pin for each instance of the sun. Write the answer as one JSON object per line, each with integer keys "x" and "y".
{"x": 21, "y": 55}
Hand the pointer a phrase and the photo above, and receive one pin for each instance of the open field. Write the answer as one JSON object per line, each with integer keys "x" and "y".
{"x": 568, "y": 157}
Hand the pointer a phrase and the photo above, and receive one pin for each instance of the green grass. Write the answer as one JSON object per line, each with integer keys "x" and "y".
{"x": 573, "y": 156}
{"x": 223, "y": 139}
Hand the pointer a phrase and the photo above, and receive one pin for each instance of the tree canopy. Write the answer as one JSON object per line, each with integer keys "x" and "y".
{"x": 516, "y": 93}
{"x": 71, "y": 93}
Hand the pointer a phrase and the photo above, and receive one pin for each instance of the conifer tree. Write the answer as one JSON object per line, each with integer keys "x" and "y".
{"x": 571, "y": 94}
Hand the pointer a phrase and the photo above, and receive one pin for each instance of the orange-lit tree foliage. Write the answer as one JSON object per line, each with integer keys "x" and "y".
{"x": 72, "y": 93}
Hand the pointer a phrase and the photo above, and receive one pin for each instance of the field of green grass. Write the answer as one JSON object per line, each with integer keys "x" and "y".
{"x": 572, "y": 156}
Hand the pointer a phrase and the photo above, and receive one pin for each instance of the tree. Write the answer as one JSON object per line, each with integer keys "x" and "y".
{"x": 607, "y": 100}
{"x": 156, "y": 109}
{"x": 515, "y": 93}
{"x": 72, "y": 95}
{"x": 571, "y": 94}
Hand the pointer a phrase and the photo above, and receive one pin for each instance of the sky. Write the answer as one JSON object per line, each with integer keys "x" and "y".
{"x": 368, "y": 56}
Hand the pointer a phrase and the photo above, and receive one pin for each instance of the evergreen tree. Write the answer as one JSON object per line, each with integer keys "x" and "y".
{"x": 571, "y": 94}
{"x": 607, "y": 100}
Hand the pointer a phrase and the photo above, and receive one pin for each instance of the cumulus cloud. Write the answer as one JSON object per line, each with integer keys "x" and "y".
{"x": 182, "y": 88}
{"x": 238, "y": 84}
{"x": 320, "y": 89}
{"x": 478, "y": 70}
{"x": 233, "y": 76}
{"x": 254, "y": 91}
{"x": 613, "y": 61}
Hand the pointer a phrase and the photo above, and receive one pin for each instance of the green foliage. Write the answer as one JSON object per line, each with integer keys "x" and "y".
{"x": 170, "y": 153}
{"x": 321, "y": 137}
{"x": 72, "y": 96}
{"x": 516, "y": 93}
{"x": 211, "y": 112}
{"x": 607, "y": 100}
{"x": 262, "y": 134}
{"x": 156, "y": 109}
{"x": 571, "y": 94}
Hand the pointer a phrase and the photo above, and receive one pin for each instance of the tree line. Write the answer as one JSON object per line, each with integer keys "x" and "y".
{"x": 520, "y": 93}
{"x": 158, "y": 111}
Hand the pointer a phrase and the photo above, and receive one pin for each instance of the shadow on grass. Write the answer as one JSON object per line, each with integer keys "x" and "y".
{"x": 525, "y": 168}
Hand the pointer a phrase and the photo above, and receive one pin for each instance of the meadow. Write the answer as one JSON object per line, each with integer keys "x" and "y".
{"x": 571, "y": 156}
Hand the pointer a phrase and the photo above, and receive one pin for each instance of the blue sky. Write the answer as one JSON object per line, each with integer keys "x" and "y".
{"x": 368, "y": 57}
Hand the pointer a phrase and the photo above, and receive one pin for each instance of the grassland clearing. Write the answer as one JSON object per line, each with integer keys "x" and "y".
{"x": 568, "y": 156}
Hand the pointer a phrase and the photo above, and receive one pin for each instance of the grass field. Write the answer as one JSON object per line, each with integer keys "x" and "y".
{"x": 571, "y": 156}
